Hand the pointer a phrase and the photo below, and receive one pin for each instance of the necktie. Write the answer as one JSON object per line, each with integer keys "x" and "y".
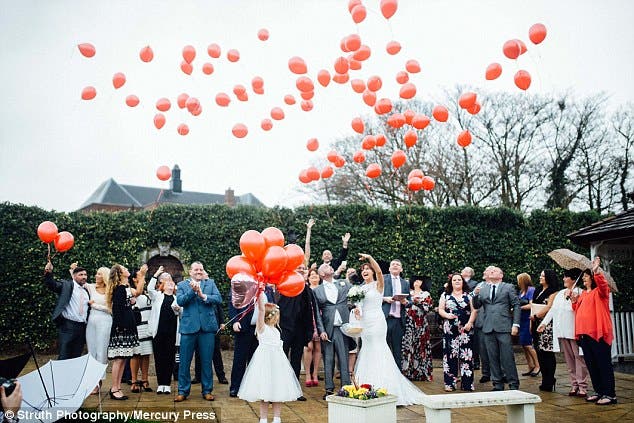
{"x": 493, "y": 294}
{"x": 81, "y": 302}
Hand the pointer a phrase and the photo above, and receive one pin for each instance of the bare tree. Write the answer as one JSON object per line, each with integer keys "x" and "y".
{"x": 623, "y": 125}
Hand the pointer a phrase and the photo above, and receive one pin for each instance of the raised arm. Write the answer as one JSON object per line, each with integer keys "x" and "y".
{"x": 259, "y": 324}
{"x": 309, "y": 226}
{"x": 140, "y": 281}
{"x": 377, "y": 270}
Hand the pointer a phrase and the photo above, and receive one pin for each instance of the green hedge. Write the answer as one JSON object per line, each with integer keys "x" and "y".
{"x": 433, "y": 242}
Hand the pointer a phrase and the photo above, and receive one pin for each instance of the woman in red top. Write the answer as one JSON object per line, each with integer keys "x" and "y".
{"x": 593, "y": 329}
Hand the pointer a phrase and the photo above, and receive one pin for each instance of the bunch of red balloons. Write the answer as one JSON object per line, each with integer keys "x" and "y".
{"x": 47, "y": 232}
{"x": 416, "y": 180}
{"x": 265, "y": 258}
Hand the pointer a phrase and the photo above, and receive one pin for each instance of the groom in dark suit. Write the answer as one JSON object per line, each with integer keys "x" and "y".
{"x": 332, "y": 300}
{"x": 501, "y": 308}
{"x": 71, "y": 312}
{"x": 394, "y": 310}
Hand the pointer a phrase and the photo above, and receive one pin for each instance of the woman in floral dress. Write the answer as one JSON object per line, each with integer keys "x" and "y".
{"x": 416, "y": 351}
{"x": 456, "y": 308}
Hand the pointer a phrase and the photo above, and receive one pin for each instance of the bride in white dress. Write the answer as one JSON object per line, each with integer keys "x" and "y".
{"x": 375, "y": 364}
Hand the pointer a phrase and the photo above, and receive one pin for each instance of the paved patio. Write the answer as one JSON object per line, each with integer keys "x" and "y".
{"x": 556, "y": 406}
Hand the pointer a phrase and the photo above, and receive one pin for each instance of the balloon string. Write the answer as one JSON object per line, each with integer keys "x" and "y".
{"x": 239, "y": 315}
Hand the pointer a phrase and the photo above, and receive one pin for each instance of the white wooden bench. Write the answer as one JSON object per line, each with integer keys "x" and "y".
{"x": 520, "y": 406}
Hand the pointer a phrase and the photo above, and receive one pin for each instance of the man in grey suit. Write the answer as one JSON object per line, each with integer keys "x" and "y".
{"x": 71, "y": 312}
{"x": 498, "y": 300}
{"x": 332, "y": 300}
{"x": 394, "y": 310}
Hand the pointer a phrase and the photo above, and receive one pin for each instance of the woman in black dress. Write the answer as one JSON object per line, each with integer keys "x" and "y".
{"x": 123, "y": 334}
{"x": 544, "y": 296}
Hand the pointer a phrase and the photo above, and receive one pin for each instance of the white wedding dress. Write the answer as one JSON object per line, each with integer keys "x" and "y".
{"x": 375, "y": 364}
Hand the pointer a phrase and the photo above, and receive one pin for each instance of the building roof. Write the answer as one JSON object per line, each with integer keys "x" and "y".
{"x": 611, "y": 228}
{"x": 113, "y": 194}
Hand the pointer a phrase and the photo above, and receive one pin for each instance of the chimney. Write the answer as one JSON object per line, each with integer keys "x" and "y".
{"x": 176, "y": 185}
{"x": 230, "y": 198}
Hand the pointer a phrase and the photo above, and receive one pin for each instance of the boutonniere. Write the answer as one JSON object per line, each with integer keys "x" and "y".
{"x": 342, "y": 283}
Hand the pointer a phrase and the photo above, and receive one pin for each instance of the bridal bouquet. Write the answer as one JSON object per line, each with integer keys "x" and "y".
{"x": 356, "y": 294}
{"x": 363, "y": 392}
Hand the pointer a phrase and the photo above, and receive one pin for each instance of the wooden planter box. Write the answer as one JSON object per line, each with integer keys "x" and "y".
{"x": 350, "y": 410}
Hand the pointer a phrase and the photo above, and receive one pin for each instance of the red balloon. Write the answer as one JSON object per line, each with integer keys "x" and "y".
{"x": 352, "y": 42}
{"x": 369, "y": 98}
{"x": 415, "y": 184}
{"x": 291, "y": 284}
{"x": 187, "y": 67}
{"x": 304, "y": 84}
{"x": 257, "y": 82}
{"x": 189, "y": 53}
{"x": 341, "y": 78}
{"x": 274, "y": 262}
{"x": 146, "y": 54}
{"x": 266, "y": 124}
{"x": 393, "y": 47}
{"x": 163, "y": 173}
{"x": 222, "y": 99}
{"x": 494, "y": 70}
{"x": 407, "y": 91}
{"x": 132, "y": 100}
{"x": 464, "y": 139}
{"x": 273, "y": 236}
{"x": 313, "y": 173}
{"x": 415, "y": 173}
{"x": 239, "y": 89}
{"x": 118, "y": 79}
{"x": 410, "y": 138}
{"x": 357, "y": 125}
{"x": 398, "y": 158}
{"x": 327, "y": 172}
{"x": 475, "y": 109}
{"x": 388, "y": 8}
{"x": 358, "y": 85}
{"x": 359, "y": 157}
{"x": 428, "y": 183}
{"x": 312, "y": 144}
{"x": 340, "y": 161}
{"x": 192, "y": 104}
{"x": 64, "y": 241}
{"x": 369, "y": 142}
{"x": 277, "y": 113}
{"x": 522, "y": 79}
{"x": 213, "y": 50}
{"x": 358, "y": 13}
{"x": 47, "y": 231}
{"x": 252, "y": 245}
{"x": 239, "y": 130}
{"x": 354, "y": 64}
{"x": 396, "y": 120}
{"x": 86, "y": 49}
{"x": 208, "y": 68}
{"x": 159, "y": 120}
{"x": 362, "y": 54}
{"x": 440, "y": 113}
{"x": 303, "y": 176}
{"x": 537, "y": 33}
{"x": 420, "y": 121}
{"x": 163, "y": 104}
{"x": 289, "y": 99}
{"x": 512, "y": 49}
{"x": 263, "y": 34}
{"x": 88, "y": 93}
{"x": 402, "y": 77}
{"x": 308, "y": 95}
{"x": 341, "y": 65}
{"x": 233, "y": 55}
{"x": 297, "y": 65}
{"x": 181, "y": 100}
{"x": 380, "y": 140}
{"x": 239, "y": 264}
{"x": 374, "y": 83}
{"x": 295, "y": 256}
{"x": 307, "y": 105}
{"x": 412, "y": 66}
{"x": 409, "y": 115}
{"x": 467, "y": 100}
{"x": 373, "y": 171}
{"x": 352, "y": 4}
{"x": 383, "y": 106}
{"x": 182, "y": 129}
{"x": 323, "y": 77}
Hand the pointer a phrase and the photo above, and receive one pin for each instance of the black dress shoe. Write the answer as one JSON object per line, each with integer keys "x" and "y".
{"x": 328, "y": 393}
{"x": 301, "y": 398}
{"x": 497, "y": 389}
{"x": 504, "y": 380}
{"x": 485, "y": 379}
{"x": 195, "y": 381}
{"x": 223, "y": 381}
{"x": 233, "y": 394}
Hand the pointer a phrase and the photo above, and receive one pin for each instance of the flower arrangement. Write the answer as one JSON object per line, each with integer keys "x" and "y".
{"x": 356, "y": 294}
{"x": 363, "y": 392}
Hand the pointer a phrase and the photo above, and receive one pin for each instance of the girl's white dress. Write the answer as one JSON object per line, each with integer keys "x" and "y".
{"x": 269, "y": 376}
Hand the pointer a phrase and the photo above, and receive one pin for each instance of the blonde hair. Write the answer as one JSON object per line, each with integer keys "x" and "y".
{"x": 115, "y": 278}
{"x": 524, "y": 281}
{"x": 271, "y": 311}
{"x": 104, "y": 272}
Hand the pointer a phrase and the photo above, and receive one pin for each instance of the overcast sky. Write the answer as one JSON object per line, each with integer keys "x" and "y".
{"x": 56, "y": 149}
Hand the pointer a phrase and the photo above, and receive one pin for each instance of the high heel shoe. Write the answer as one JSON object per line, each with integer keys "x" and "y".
{"x": 529, "y": 372}
{"x": 112, "y": 396}
{"x": 535, "y": 374}
{"x": 547, "y": 388}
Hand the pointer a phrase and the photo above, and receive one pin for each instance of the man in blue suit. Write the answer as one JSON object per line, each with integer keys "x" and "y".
{"x": 394, "y": 309}
{"x": 198, "y": 325}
